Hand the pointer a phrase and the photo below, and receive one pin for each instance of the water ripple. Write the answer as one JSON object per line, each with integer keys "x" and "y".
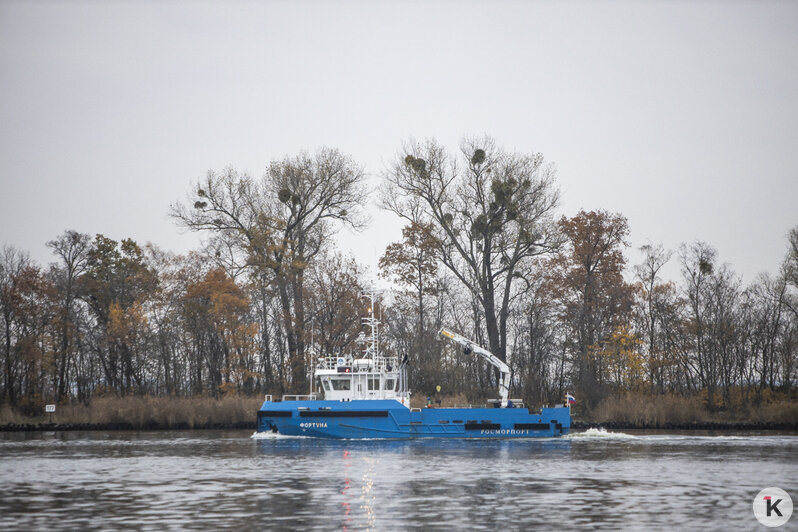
{"x": 228, "y": 479}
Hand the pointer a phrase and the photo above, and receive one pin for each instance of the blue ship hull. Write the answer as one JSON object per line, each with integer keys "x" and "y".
{"x": 387, "y": 418}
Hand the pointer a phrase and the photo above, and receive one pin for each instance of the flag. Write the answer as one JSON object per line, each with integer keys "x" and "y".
{"x": 570, "y": 398}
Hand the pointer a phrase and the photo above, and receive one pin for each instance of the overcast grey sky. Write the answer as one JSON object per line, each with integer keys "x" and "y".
{"x": 682, "y": 116}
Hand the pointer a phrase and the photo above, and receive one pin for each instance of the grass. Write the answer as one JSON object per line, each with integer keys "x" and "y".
{"x": 651, "y": 411}
{"x": 633, "y": 410}
{"x": 147, "y": 412}
{"x": 647, "y": 411}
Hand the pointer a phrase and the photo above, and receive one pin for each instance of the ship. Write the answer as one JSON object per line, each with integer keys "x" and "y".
{"x": 366, "y": 396}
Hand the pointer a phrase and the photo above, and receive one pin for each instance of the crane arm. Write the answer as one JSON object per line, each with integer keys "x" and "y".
{"x": 470, "y": 346}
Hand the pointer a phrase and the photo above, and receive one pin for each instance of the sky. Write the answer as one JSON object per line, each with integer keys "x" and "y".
{"x": 680, "y": 115}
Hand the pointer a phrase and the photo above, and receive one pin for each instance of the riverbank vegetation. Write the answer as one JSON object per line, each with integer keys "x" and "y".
{"x": 141, "y": 412}
{"x": 659, "y": 411}
{"x": 485, "y": 250}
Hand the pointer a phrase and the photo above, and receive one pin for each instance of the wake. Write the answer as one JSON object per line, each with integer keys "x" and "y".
{"x": 599, "y": 434}
{"x": 272, "y": 436}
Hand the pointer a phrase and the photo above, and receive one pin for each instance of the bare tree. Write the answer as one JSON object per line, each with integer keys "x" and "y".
{"x": 72, "y": 248}
{"x": 651, "y": 291}
{"x": 13, "y": 262}
{"x": 789, "y": 271}
{"x": 336, "y": 303}
{"x": 278, "y": 224}
{"x": 712, "y": 295}
{"x": 490, "y": 209}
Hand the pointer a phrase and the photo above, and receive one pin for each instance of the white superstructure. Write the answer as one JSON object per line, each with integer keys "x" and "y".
{"x": 367, "y": 376}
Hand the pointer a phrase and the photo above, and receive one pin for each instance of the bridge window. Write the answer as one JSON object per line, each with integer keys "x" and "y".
{"x": 341, "y": 384}
{"x": 326, "y": 384}
{"x": 389, "y": 384}
{"x": 374, "y": 384}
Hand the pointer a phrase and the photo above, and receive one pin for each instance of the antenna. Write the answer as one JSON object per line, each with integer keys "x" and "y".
{"x": 372, "y": 322}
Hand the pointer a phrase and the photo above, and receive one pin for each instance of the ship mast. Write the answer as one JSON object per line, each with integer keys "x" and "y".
{"x": 373, "y": 323}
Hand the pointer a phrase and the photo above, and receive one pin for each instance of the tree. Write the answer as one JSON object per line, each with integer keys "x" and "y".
{"x": 170, "y": 356}
{"x": 491, "y": 211}
{"x": 586, "y": 277}
{"x": 653, "y": 296}
{"x": 12, "y": 263}
{"x": 712, "y": 295}
{"x": 219, "y": 312}
{"x": 623, "y": 361}
{"x": 413, "y": 262}
{"x": 336, "y": 304}
{"x": 26, "y": 301}
{"x": 538, "y": 359}
{"x": 72, "y": 248}
{"x": 116, "y": 280}
{"x": 789, "y": 271}
{"x": 279, "y": 224}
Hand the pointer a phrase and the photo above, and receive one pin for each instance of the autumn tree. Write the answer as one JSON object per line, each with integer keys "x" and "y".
{"x": 26, "y": 298}
{"x": 491, "y": 211}
{"x": 276, "y": 225}
{"x": 413, "y": 263}
{"x": 622, "y": 360}
{"x": 115, "y": 284}
{"x": 587, "y": 279}
{"x": 220, "y": 314}
{"x": 335, "y": 304}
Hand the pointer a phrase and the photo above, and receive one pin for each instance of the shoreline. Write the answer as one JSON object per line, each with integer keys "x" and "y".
{"x": 695, "y": 425}
{"x": 250, "y": 425}
{"x": 134, "y": 413}
{"x": 72, "y": 427}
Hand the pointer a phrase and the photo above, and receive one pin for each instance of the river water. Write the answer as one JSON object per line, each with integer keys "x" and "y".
{"x": 232, "y": 480}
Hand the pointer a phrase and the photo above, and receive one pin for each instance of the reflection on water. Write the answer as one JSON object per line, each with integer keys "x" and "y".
{"x": 226, "y": 479}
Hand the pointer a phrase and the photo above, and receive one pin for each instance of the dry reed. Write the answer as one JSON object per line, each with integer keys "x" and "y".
{"x": 148, "y": 412}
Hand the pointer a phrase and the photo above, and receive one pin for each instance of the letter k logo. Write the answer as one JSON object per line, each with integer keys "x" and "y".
{"x": 773, "y": 506}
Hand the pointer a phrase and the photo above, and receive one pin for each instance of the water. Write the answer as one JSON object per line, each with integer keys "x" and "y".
{"x": 230, "y": 480}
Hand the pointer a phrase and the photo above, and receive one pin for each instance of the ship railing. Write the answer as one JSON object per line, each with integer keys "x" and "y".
{"x": 309, "y": 397}
{"x": 380, "y": 363}
{"x": 384, "y": 362}
{"x": 516, "y": 403}
{"x": 511, "y": 403}
{"x": 327, "y": 363}
{"x": 268, "y": 397}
